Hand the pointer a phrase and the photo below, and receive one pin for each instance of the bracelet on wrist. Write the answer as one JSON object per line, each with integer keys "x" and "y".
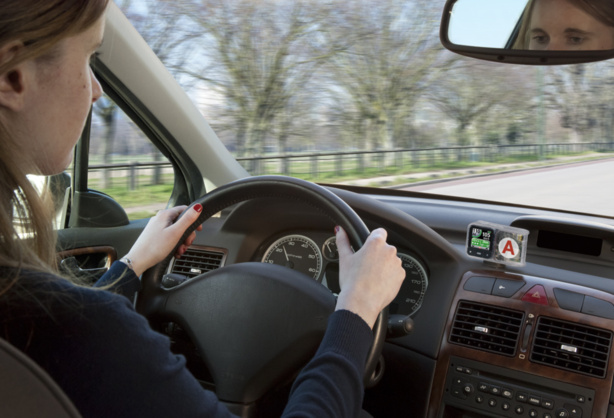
{"x": 127, "y": 262}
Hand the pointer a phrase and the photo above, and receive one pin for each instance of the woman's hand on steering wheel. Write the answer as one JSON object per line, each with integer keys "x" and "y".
{"x": 160, "y": 237}
{"x": 369, "y": 278}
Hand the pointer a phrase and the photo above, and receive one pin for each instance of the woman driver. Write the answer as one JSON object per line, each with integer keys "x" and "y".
{"x": 567, "y": 25}
{"x": 92, "y": 342}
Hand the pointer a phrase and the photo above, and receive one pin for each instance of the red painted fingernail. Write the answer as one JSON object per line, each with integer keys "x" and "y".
{"x": 337, "y": 229}
{"x": 198, "y": 207}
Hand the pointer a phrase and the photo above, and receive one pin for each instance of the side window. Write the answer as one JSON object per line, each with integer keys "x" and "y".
{"x": 125, "y": 165}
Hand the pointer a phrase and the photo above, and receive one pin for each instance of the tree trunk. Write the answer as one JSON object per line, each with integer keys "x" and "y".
{"x": 109, "y": 118}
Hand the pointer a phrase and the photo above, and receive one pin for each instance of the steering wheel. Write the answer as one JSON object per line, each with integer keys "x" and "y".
{"x": 256, "y": 324}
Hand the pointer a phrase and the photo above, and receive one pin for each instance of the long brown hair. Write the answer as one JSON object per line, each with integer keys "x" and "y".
{"x": 27, "y": 239}
{"x": 602, "y": 10}
{"x": 522, "y": 40}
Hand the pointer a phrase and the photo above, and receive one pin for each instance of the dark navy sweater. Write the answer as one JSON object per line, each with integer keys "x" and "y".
{"x": 110, "y": 362}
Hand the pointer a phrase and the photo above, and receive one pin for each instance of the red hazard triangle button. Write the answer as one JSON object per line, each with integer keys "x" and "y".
{"x": 537, "y": 294}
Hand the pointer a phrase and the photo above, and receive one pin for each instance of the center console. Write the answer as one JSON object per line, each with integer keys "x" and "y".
{"x": 519, "y": 346}
{"x": 473, "y": 386}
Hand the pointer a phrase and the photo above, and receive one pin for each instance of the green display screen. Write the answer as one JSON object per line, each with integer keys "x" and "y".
{"x": 480, "y": 243}
{"x": 481, "y": 238}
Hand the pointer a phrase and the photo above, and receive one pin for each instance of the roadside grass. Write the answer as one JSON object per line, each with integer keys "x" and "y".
{"x": 143, "y": 195}
{"x": 141, "y": 202}
{"x": 141, "y": 214}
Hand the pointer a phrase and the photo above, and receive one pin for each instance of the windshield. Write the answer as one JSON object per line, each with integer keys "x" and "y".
{"x": 362, "y": 93}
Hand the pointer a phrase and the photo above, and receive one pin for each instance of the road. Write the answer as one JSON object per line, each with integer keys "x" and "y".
{"x": 581, "y": 187}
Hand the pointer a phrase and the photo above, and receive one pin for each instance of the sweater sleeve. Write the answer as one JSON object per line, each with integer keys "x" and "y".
{"x": 331, "y": 385}
{"x": 121, "y": 280}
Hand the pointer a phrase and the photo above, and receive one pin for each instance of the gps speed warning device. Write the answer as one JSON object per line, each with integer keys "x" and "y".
{"x": 480, "y": 241}
{"x": 497, "y": 243}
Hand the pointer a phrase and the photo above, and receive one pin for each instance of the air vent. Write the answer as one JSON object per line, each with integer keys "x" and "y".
{"x": 487, "y": 328}
{"x": 197, "y": 261}
{"x": 574, "y": 347}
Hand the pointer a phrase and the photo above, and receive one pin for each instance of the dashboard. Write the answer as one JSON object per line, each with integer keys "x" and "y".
{"x": 487, "y": 340}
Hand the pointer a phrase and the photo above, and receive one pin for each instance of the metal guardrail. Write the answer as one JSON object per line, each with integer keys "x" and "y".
{"x": 321, "y": 164}
{"x": 316, "y": 165}
{"x": 131, "y": 172}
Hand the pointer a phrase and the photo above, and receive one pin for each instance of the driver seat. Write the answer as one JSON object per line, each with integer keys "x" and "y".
{"x": 27, "y": 391}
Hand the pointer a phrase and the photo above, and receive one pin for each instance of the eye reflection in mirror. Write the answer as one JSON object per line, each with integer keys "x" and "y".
{"x": 558, "y": 25}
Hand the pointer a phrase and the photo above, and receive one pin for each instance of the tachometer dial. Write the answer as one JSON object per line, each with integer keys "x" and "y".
{"x": 329, "y": 249}
{"x": 412, "y": 292}
{"x": 296, "y": 252}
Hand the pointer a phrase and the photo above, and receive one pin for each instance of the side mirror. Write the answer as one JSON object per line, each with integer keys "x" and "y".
{"x": 529, "y": 31}
{"x": 57, "y": 187}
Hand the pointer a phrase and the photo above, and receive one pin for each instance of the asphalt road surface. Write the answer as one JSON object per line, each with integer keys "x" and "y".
{"x": 581, "y": 187}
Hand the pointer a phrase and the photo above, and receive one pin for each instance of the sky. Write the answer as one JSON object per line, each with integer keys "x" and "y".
{"x": 485, "y": 23}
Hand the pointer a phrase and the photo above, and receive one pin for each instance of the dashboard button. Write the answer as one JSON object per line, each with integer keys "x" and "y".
{"x": 570, "y": 301}
{"x": 458, "y": 393}
{"x": 547, "y": 404}
{"x": 480, "y": 285}
{"x": 537, "y": 294}
{"x": 507, "y": 394}
{"x": 507, "y": 288}
{"x": 464, "y": 370}
{"x": 598, "y": 307}
{"x": 574, "y": 411}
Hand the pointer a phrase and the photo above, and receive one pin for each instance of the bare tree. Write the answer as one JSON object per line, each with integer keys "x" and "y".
{"x": 476, "y": 91}
{"x": 259, "y": 56}
{"x": 106, "y": 110}
{"x": 392, "y": 56}
{"x": 583, "y": 96}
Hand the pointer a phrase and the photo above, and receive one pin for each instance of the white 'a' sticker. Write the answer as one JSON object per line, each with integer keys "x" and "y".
{"x": 509, "y": 248}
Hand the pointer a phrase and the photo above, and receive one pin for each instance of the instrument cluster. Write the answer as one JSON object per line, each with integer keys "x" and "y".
{"x": 315, "y": 254}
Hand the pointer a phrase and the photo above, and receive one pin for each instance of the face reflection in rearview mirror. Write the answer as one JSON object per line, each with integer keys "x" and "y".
{"x": 534, "y": 25}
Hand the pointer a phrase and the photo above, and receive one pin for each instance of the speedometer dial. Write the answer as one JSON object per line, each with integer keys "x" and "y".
{"x": 413, "y": 289}
{"x": 296, "y": 252}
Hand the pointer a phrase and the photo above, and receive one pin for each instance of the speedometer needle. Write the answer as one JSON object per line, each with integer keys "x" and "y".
{"x": 287, "y": 258}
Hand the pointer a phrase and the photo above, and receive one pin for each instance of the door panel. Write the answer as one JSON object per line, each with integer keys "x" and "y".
{"x": 87, "y": 262}
{"x": 97, "y": 248}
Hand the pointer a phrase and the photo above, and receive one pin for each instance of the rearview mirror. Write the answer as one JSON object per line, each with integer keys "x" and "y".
{"x": 537, "y": 32}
